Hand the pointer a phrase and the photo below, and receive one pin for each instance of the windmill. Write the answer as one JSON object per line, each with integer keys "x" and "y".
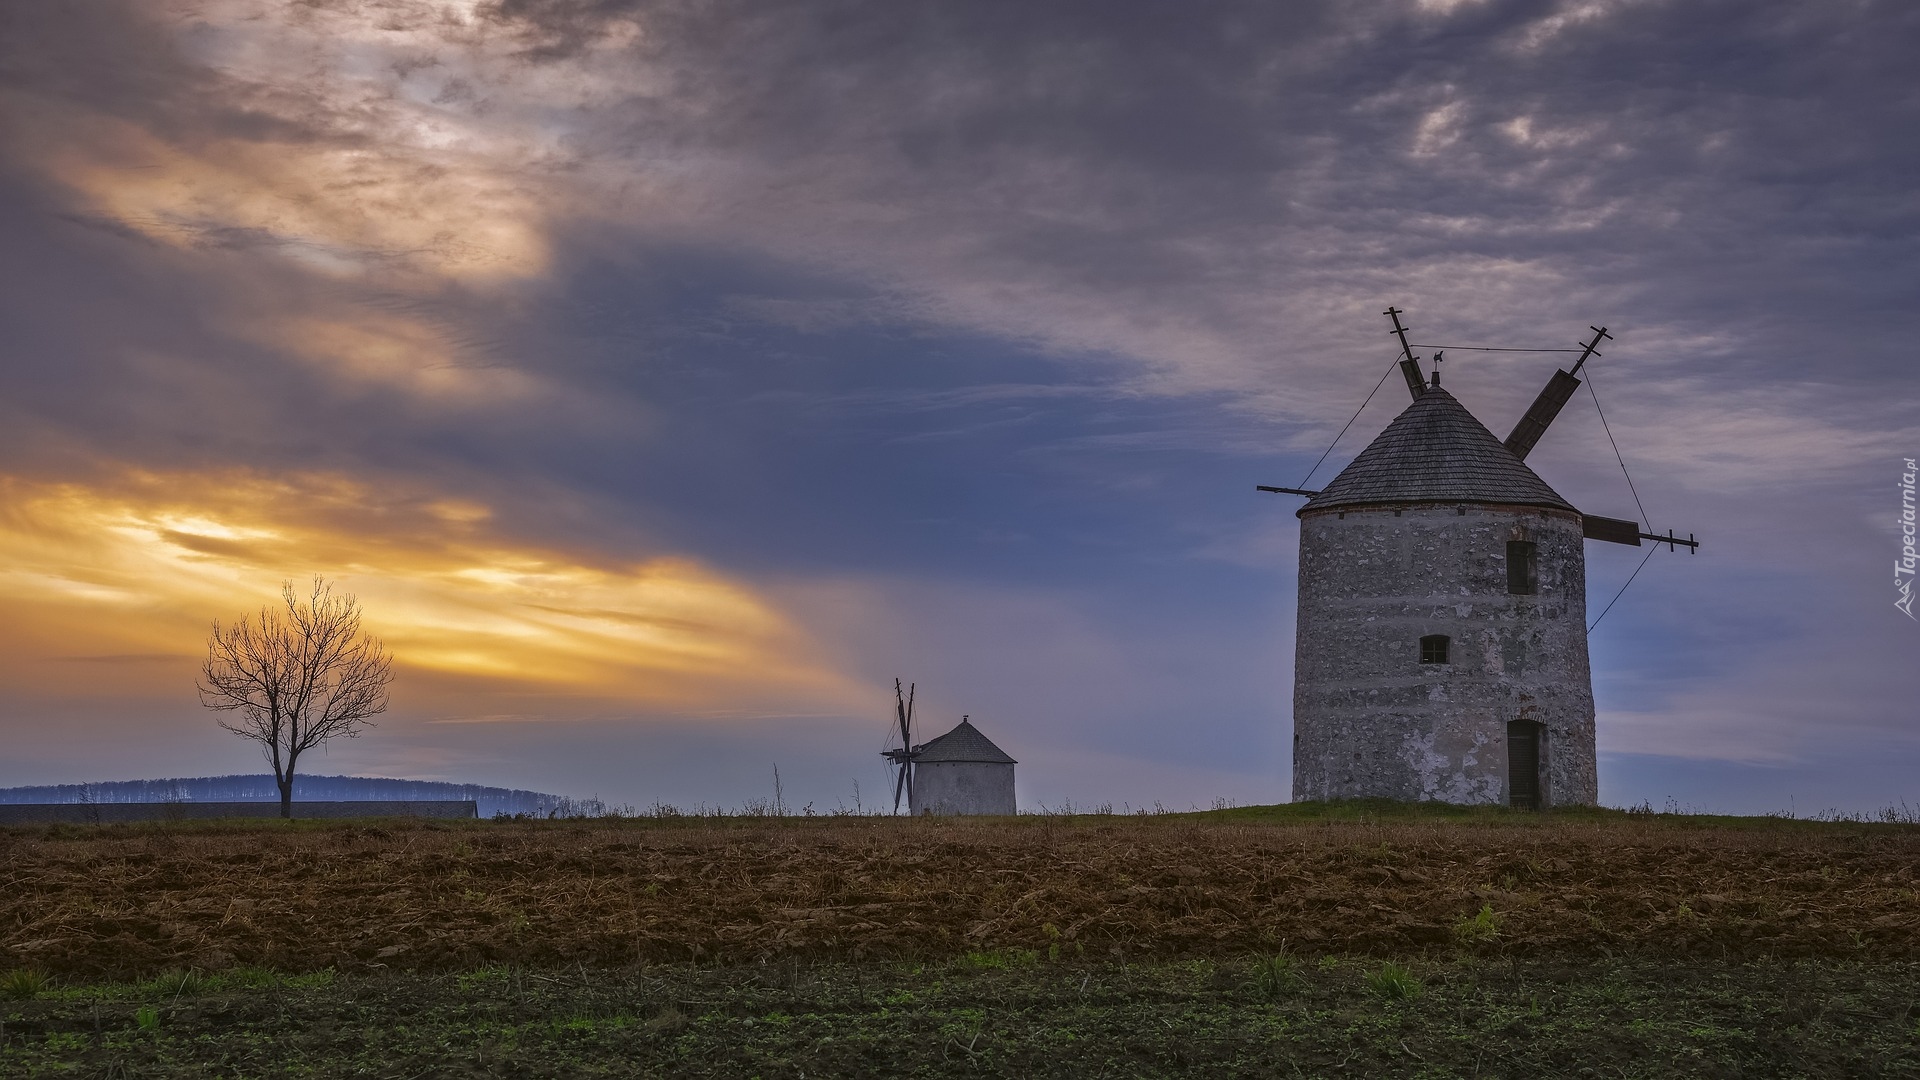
{"x": 903, "y": 757}
{"x": 1442, "y": 609}
{"x": 960, "y": 772}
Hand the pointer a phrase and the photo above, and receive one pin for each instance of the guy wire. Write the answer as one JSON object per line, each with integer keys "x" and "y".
{"x": 1616, "y": 451}
{"x": 1350, "y": 420}
{"x": 1623, "y": 588}
{"x": 1486, "y": 348}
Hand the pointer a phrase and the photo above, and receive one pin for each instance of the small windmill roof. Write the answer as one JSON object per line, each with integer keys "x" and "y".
{"x": 1436, "y": 451}
{"x": 963, "y": 743}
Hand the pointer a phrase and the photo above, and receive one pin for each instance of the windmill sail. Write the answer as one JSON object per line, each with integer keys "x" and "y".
{"x": 1611, "y": 530}
{"x": 1409, "y": 367}
{"x": 1410, "y": 370}
{"x": 1554, "y": 397}
{"x": 903, "y": 757}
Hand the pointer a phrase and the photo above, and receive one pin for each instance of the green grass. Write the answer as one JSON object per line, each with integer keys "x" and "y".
{"x": 1365, "y": 811}
{"x": 176, "y": 983}
{"x": 182, "y": 983}
{"x": 1479, "y": 928}
{"x": 1276, "y": 976}
{"x": 1000, "y": 959}
{"x": 1387, "y": 811}
{"x": 21, "y": 984}
{"x": 1255, "y": 1016}
{"x": 1393, "y": 982}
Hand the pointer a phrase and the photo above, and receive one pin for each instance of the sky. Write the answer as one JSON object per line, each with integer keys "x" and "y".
{"x": 667, "y": 378}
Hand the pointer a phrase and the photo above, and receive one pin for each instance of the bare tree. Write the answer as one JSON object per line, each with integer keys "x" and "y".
{"x": 296, "y": 678}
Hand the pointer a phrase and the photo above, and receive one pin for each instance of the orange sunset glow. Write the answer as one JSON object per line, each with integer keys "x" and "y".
{"x": 141, "y": 568}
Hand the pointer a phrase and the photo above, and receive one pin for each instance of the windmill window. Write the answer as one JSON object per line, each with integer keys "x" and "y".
{"x": 1433, "y": 649}
{"x": 1523, "y": 574}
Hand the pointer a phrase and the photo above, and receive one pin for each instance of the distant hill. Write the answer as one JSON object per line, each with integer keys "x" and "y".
{"x": 259, "y": 787}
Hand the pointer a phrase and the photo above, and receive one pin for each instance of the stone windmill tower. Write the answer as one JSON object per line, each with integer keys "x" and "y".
{"x": 1441, "y": 651}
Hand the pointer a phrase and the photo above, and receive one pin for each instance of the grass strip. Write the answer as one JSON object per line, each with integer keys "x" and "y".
{"x": 996, "y": 1013}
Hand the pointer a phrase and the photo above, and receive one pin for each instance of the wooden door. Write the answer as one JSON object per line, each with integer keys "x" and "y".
{"x": 1523, "y": 765}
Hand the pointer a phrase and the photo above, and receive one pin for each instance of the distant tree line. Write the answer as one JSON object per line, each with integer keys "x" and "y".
{"x": 261, "y": 787}
{"x": 292, "y": 678}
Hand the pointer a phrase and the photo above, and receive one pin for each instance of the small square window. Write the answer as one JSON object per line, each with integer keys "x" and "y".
{"x": 1433, "y": 649}
{"x": 1523, "y": 575}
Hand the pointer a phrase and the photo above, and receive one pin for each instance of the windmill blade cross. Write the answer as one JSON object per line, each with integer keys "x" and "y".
{"x": 900, "y": 709}
{"x": 906, "y": 735}
{"x": 903, "y": 757}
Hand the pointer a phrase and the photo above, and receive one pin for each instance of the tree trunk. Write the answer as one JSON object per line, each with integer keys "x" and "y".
{"x": 286, "y": 795}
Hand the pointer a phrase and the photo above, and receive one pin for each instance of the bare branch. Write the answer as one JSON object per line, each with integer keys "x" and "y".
{"x": 296, "y": 677}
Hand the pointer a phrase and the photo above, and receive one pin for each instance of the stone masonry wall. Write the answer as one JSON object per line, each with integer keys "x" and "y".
{"x": 1370, "y": 720}
{"x": 963, "y": 787}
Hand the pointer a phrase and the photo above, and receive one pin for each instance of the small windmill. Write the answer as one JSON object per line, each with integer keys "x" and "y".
{"x": 903, "y": 757}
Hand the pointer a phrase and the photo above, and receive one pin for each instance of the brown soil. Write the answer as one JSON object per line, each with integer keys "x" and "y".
{"x": 127, "y": 902}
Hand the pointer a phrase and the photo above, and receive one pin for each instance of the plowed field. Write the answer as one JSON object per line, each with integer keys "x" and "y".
{"x": 127, "y": 902}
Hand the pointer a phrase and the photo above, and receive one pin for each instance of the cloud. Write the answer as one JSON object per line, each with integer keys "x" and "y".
{"x": 1204, "y": 202}
{"x": 853, "y": 295}
{"x": 299, "y": 133}
{"x": 144, "y": 565}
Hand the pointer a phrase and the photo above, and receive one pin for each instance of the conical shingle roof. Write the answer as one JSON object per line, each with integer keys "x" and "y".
{"x": 1436, "y": 451}
{"x": 964, "y": 743}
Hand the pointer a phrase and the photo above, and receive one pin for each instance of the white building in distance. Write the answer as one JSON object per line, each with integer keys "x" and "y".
{"x": 961, "y": 772}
